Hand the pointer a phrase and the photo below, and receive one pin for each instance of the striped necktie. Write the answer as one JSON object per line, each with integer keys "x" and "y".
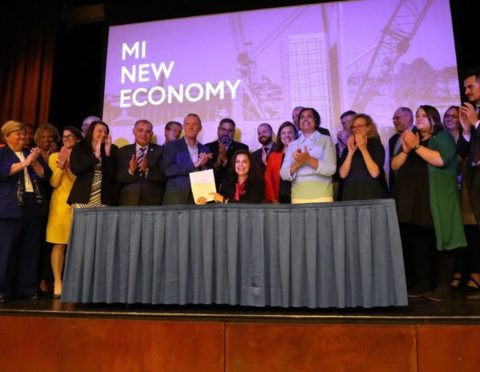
{"x": 140, "y": 156}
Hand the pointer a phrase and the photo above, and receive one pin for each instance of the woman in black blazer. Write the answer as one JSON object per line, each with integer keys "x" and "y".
{"x": 243, "y": 183}
{"x": 94, "y": 163}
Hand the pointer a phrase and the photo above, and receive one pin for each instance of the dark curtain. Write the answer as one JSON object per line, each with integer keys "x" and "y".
{"x": 27, "y": 47}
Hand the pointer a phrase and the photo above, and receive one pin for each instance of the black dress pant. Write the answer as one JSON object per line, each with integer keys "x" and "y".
{"x": 20, "y": 244}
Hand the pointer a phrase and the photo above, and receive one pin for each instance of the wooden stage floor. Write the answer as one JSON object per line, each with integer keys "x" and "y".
{"x": 48, "y": 335}
{"x": 456, "y": 311}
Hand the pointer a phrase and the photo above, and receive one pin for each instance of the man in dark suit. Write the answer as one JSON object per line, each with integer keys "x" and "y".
{"x": 182, "y": 157}
{"x": 469, "y": 146}
{"x": 265, "y": 137}
{"x": 402, "y": 120}
{"x": 223, "y": 149}
{"x": 140, "y": 169}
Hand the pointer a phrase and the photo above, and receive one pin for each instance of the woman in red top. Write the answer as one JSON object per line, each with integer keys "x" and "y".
{"x": 277, "y": 190}
{"x": 243, "y": 183}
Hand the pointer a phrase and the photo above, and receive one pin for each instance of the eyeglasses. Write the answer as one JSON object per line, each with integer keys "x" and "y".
{"x": 68, "y": 136}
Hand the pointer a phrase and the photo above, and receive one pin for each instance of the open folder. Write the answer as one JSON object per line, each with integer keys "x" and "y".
{"x": 203, "y": 184}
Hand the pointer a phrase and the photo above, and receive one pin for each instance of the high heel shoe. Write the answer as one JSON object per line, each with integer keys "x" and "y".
{"x": 472, "y": 293}
{"x": 456, "y": 281}
{"x": 57, "y": 292}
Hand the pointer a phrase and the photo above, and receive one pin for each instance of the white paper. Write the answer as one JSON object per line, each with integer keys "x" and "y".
{"x": 203, "y": 184}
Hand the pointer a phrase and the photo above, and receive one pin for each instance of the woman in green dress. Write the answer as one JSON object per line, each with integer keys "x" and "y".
{"x": 427, "y": 201}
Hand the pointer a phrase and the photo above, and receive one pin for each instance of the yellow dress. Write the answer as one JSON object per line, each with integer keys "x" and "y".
{"x": 60, "y": 214}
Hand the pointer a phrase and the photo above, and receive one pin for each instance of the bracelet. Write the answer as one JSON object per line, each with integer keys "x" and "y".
{"x": 417, "y": 146}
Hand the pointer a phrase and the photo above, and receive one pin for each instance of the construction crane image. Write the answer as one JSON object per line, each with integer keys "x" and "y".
{"x": 394, "y": 42}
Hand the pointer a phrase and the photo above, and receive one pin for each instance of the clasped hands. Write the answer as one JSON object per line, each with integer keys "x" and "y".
{"x": 356, "y": 142}
{"x": 410, "y": 141}
{"x": 468, "y": 117}
{"x": 222, "y": 158}
{"x": 63, "y": 158}
{"x": 132, "y": 165}
{"x": 108, "y": 146}
{"x": 301, "y": 157}
{"x": 203, "y": 158}
{"x": 31, "y": 159}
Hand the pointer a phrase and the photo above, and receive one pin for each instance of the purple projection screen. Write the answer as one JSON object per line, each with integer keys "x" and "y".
{"x": 371, "y": 56}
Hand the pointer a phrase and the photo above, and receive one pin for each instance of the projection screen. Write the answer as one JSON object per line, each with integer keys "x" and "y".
{"x": 371, "y": 56}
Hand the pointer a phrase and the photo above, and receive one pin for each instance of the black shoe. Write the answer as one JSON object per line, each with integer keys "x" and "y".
{"x": 3, "y": 298}
{"x": 417, "y": 291}
{"x": 439, "y": 294}
{"x": 473, "y": 294}
{"x": 34, "y": 296}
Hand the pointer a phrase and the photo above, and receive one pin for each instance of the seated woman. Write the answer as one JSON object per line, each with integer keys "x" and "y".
{"x": 361, "y": 169}
{"x": 243, "y": 183}
{"x": 93, "y": 161}
{"x": 428, "y": 207}
{"x": 310, "y": 162}
{"x": 276, "y": 189}
{"x": 60, "y": 213}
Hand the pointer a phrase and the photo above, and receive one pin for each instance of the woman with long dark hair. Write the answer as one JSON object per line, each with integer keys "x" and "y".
{"x": 243, "y": 183}
{"x": 93, "y": 161}
{"x": 276, "y": 189}
{"x": 427, "y": 202}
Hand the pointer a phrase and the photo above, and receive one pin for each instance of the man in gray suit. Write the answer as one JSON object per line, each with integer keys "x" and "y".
{"x": 140, "y": 169}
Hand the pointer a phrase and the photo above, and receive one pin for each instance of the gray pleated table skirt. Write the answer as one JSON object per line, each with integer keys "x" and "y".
{"x": 343, "y": 254}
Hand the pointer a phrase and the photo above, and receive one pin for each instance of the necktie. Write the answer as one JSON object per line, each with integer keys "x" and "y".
{"x": 140, "y": 156}
{"x": 398, "y": 145}
{"x": 266, "y": 149}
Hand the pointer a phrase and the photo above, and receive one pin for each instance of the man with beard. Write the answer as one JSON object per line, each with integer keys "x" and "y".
{"x": 223, "y": 149}
{"x": 265, "y": 137}
{"x": 468, "y": 146}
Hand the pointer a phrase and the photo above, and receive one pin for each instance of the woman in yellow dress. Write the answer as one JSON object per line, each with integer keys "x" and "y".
{"x": 60, "y": 215}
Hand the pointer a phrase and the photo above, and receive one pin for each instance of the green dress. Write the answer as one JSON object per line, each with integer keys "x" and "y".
{"x": 444, "y": 200}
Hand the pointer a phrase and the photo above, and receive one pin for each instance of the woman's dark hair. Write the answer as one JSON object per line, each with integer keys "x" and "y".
{"x": 433, "y": 117}
{"x": 316, "y": 116}
{"x": 76, "y": 132}
{"x": 279, "y": 145}
{"x": 91, "y": 128}
{"x": 253, "y": 172}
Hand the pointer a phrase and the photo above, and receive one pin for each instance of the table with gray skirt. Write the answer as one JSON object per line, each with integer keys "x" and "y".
{"x": 330, "y": 255}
